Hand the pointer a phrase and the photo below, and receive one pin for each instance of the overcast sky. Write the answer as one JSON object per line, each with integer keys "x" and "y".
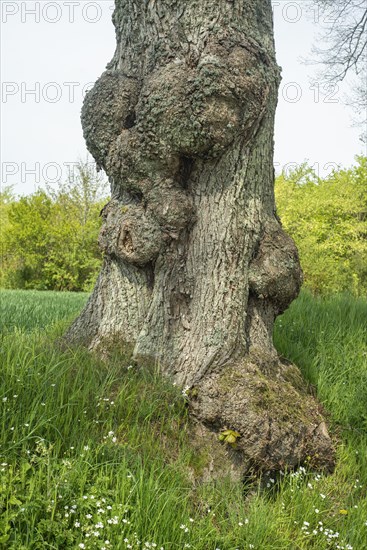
{"x": 52, "y": 51}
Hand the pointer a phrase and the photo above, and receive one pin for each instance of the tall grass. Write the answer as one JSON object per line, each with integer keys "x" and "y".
{"x": 32, "y": 310}
{"x": 327, "y": 339}
{"x": 95, "y": 456}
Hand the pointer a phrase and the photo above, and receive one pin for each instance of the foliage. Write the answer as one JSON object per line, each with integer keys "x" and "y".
{"x": 229, "y": 436}
{"x": 50, "y": 238}
{"x": 95, "y": 456}
{"x": 328, "y": 220}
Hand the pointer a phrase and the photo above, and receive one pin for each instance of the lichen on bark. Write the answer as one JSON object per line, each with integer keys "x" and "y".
{"x": 197, "y": 265}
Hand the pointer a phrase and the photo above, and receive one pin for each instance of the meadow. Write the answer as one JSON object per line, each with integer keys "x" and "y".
{"x": 98, "y": 456}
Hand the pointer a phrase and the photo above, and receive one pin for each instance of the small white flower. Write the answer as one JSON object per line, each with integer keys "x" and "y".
{"x": 77, "y": 524}
{"x": 81, "y": 545}
{"x": 86, "y": 448}
{"x": 317, "y": 510}
{"x": 240, "y": 523}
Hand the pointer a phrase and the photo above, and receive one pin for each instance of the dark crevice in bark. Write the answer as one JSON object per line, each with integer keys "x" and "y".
{"x": 186, "y": 166}
{"x": 130, "y": 120}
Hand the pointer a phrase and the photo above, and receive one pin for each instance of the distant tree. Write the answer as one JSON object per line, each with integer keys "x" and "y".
{"x": 49, "y": 241}
{"x": 26, "y": 241}
{"x": 75, "y": 258}
{"x": 328, "y": 220}
{"x": 345, "y": 52}
{"x": 6, "y": 198}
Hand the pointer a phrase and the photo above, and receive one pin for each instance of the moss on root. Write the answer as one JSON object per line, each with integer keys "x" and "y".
{"x": 267, "y": 402}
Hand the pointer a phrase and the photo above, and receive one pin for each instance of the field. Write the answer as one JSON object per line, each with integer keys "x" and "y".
{"x": 99, "y": 457}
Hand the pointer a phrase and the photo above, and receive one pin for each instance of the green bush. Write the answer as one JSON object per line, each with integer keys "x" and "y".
{"x": 327, "y": 218}
{"x": 49, "y": 239}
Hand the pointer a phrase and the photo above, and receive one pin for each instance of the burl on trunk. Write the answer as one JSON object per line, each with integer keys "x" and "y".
{"x": 197, "y": 265}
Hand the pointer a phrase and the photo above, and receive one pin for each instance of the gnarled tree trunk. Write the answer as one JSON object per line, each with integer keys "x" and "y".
{"x": 197, "y": 265}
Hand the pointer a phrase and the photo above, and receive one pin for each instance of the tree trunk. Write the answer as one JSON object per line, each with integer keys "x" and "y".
{"x": 197, "y": 265}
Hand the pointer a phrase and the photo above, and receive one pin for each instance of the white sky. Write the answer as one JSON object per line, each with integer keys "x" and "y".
{"x": 57, "y": 48}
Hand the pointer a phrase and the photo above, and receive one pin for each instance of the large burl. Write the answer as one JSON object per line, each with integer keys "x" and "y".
{"x": 146, "y": 133}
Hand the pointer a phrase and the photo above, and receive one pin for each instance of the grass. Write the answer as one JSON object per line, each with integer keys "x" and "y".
{"x": 95, "y": 457}
{"x": 30, "y": 310}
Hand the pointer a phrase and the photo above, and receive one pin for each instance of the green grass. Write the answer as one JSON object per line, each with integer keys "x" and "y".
{"x": 27, "y": 310}
{"x": 91, "y": 454}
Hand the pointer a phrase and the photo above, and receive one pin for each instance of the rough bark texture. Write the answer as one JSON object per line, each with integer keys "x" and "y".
{"x": 197, "y": 265}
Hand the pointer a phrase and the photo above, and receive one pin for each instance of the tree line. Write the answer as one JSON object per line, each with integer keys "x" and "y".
{"x": 49, "y": 238}
{"x": 327, "y": 218}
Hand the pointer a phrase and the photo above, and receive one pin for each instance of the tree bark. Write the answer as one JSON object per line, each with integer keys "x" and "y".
{"x": 197, "y": 265}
